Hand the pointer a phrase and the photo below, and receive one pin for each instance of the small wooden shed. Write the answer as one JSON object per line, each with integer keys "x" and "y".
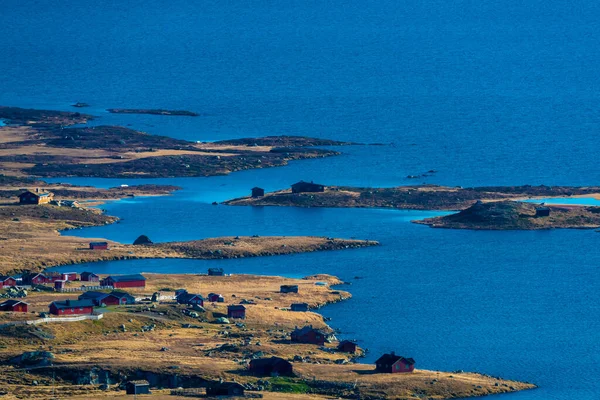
{"x": 137, "y": 387}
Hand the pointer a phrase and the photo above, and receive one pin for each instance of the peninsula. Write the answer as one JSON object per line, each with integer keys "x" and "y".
{"x": 42, "y": 143}
{"x": 30, "y": 238}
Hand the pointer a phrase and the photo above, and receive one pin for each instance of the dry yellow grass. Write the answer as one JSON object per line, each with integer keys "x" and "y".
{"x": 197, "y": 351}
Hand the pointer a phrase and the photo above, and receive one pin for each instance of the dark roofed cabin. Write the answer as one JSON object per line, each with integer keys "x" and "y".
{"x": 124, "y": 281}
{"x": 89, "y": 277}
{"x": 258, "y": 192}
{"x": 288, "y": 288}
{"x": 299, "y": 307}
{"x": 216, "y": 297}
{"x": 542, "y": 211}
{"x": 14, "y": 306}
{"x": 7, "y": 281}
{"x": 190, "y": 298}
{"x": 307, "y": 187}
{"x": 216, "y": 272}
{"x": 137, "y": 387}
{"x": 347, "y": 346}
{"x": 273, "y": 366}
{"x": 391, "y": 363}
{"x": 36, "y": 197}
{"x": 224, "y": 389}
{"x": 236, "y": 311}
{"x": 310, "y": 335}
{"x": 71, "y": 307}
{"x": 98, "y": 246}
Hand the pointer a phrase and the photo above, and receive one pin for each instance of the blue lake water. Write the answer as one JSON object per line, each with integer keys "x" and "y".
{"x": 487, "y": 93}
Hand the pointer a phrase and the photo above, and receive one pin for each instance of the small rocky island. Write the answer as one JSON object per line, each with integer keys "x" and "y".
{"x": 511, "y": 215}
{"x": 152, "y": 111}
{"x": 480, "y": 207}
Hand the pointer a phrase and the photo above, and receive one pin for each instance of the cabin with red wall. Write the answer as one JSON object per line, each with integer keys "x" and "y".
{"x": 59, "y": 285}
{"x": 236, "y": 311}
{"x": 89, "y": 277}
{"x": 308, "y": 334}
{"x": 391, "y": 363}
{"x": 35, "y": 279}
{"x": 190, "y": 298}
{"x": 7, "y": 281}
{"x": 215, "y": 297}
{"x": 98, "y": 246}
{"x": 68, "y": 276}
{"x": 347, "y": 346}
{"x": 14, "y": 306}
{"x": 52, "y": 277}
{"x": 124, "y": 281}
{"x": 71, "y": 307}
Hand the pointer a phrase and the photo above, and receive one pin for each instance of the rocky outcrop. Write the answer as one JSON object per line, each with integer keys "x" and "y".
{"x": 141, "y": 240}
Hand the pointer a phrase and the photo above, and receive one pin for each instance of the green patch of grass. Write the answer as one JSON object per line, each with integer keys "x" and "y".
{"x": 289, "y": 385}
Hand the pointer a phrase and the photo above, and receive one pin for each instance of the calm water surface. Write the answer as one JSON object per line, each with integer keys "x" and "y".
{"x": 484, "y": 92}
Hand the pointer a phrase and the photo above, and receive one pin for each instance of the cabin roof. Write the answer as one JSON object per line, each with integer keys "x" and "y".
{"x": 38, "y": 194}
{"x": 12, "y": 303}
{"x": 127, "y": 278}
{"x": 392, "y": 359}
{"x": 189, "y": 296}
{"x": 92, "y": 295}
{"x": 72, "y": 303}
{"x": 141, "y": 382}
{"x": 307, "y": 329}
{"x": 307, "y": 183}
{"x": 236, "y": 307}
{"x": 272, "y": 361}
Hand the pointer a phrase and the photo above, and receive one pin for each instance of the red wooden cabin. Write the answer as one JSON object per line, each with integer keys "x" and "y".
{"x": 236, "y": 311}
{"x": 89, "y": 277}
{"x": 37, "y": 279}
{"x": 190, "y": 298}
{"x": 215, "y": 297}
{"x": 14, "y": 306}
{"x": 124, "y": 281}
{"x": 98, "y": 246}
{"x": 71, "y": 307}
{"x": 391, "y": 363}
{"x": 68, "y": 276}
{"x": 308, "y": 334}
{"x": 7, "y": 281}
{"x": 347, "y": 346}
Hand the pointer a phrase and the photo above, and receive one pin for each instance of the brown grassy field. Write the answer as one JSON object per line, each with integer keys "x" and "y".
{"x": 198, "y": 347}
